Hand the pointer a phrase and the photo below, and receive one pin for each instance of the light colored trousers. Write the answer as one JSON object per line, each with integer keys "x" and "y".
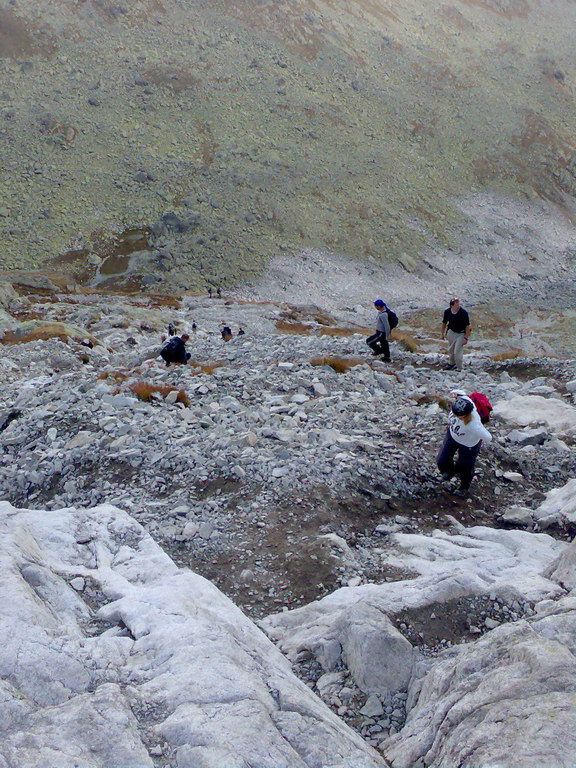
{"x": 456, "y": 349}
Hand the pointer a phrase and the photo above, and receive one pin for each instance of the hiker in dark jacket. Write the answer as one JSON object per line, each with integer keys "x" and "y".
{"x": 174, "y": 351}
{"x": 456, "y": 326}
{"x": 378, "y": 342}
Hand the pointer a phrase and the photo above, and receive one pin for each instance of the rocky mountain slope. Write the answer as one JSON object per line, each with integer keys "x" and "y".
{"x": 297, "y": 474}
{"x": 351, "y": 127}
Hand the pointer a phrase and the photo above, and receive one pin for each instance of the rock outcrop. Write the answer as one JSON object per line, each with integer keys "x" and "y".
{"x": 112, "y": 656}
{"x": 504, "y": 699}
{"x": 525, "y": 410}
{"x": 509, "y": 699}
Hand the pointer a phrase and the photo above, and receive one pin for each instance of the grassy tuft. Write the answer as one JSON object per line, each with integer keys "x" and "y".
{"x": 407, "y": 341}
{"x": 117, "y": 376}
{"x": 146, "y": 391}
{"x": 295, "y": 328}
{"x": 443, "y": 402}
{"x": 338, "y": 364}
{"x": 511, "y": 354}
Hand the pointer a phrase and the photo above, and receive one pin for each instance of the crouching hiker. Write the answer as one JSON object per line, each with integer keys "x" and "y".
{"x": 174, "y": 351}
{"x": 378, "y": 342}
{"x": 464, "y": 434}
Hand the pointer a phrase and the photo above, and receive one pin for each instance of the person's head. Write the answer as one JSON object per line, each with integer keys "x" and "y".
{"x": 379, "y": 304}
{"x": 184, "y": 337}
{"x": 462, "y": 408}
{"x": 455, "y": 304}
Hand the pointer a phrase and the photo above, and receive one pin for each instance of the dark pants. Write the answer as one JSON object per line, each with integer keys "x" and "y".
{"x": 379, "y": 344}
{"x": 171, "y": 356}
{"x": 466, "y": 460}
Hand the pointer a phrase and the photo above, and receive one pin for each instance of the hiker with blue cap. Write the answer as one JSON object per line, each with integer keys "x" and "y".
{"x": 378, "y": 342}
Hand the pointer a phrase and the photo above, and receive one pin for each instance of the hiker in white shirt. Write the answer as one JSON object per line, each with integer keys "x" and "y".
{"x": 464, "y": 434}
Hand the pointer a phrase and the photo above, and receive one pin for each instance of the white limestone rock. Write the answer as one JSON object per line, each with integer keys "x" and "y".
{"x": 518, "y": 515}
{"x": 559, "y": 506}
{"x": 524, "y": 410}
{"x": 379, "y": 657}
{"x": 536, "y": 436}
{"x": 168, "y": 658}
{"x": 477, "y": 561}
{"x": 563, "y": 569}
{"x": 507, "y": 699}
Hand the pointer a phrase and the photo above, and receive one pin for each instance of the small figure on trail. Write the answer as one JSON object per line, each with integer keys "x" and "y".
{"x": 174, "y": 351}
{"x": 226, "y": 333}
{"x": 194, "y": 327}
{"x": 378, "y": 342}
{"x": 219, "y": 292}
{"x": 464, "y": 434}
{"x": 171, "y": 329}
{"x": 210, "y": 291}
{"x": 241, "y": 332}
{"x": 456, "y": 325}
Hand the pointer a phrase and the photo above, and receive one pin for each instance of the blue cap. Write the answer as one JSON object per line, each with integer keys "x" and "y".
{"x": 379, "y": 303}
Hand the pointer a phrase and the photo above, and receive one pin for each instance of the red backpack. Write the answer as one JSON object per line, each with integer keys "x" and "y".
{"x": 483, "y": 406}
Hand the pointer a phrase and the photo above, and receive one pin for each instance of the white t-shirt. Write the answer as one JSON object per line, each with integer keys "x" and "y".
{"x": 469, "y": 434}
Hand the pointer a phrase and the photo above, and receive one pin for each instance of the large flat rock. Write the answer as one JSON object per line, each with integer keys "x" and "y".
{"x": 524, "y": 410}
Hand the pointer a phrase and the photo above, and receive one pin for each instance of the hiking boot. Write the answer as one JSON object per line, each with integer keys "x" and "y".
{"x": 446, "y": 476}
{"x": 449, "y": 367}
{"x": 387, "y": 360}
{"x": 462, "y": 493}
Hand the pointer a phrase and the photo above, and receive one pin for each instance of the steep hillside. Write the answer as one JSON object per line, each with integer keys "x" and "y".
{"x": 353, "y": 127}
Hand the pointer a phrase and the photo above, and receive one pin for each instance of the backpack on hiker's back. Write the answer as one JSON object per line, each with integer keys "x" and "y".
{"x": 392, "y": 317}
{"x": 483, "y": 406}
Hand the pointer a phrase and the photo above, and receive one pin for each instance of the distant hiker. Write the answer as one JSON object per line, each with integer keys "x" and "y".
{"x": 464, "y": 434}
{"x": 456, "y": 325}
{"x": 219, "y": 292}
{"x": 174, "y": 351}
{"x": 241, "y": 332}
{"x": 378, "y": 342}
{"x": 194, "y": 327}
{"x": 171, "y": 329}
{"x": 210, "y": 292}
{"x": 226, "y": 333}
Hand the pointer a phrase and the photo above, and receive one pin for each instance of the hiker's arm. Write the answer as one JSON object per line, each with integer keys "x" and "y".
{"x": 444, "y": 324}
{"x": 467, "y": 333}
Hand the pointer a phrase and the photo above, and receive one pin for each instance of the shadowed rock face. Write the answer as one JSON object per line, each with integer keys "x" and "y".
{"x": 354, "y": 127}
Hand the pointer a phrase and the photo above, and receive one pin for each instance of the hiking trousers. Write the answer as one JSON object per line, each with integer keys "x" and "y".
{"x": 464, "y": 467}
{"x": 379, "y": 344}
{"x": 456, "y": 348}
